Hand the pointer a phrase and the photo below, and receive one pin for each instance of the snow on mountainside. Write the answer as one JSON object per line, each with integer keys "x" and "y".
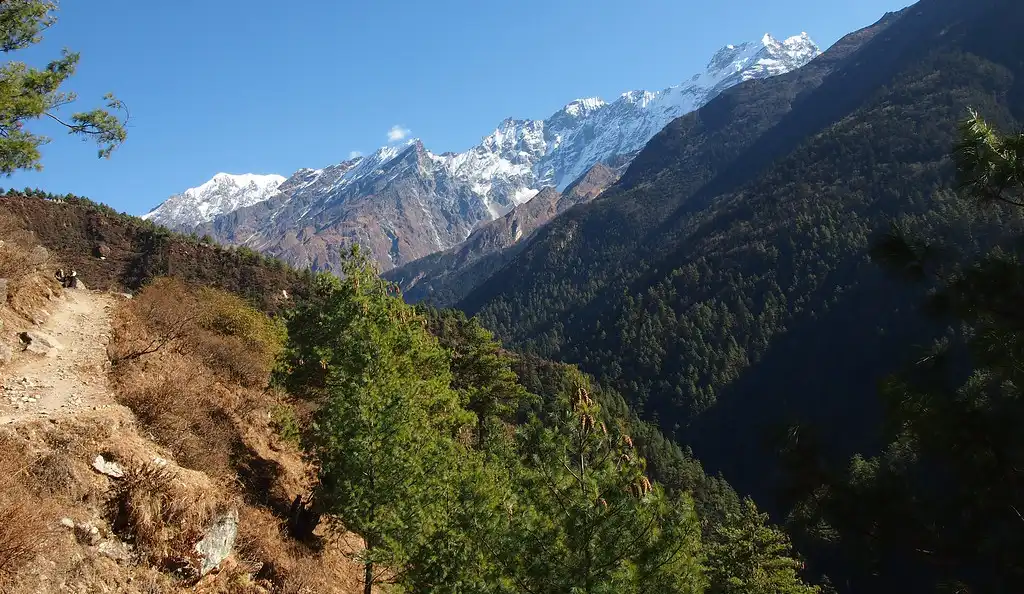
{"x": 599, "y": 130}
{"x": 224, "y": 193}
{"x": 405, "y": 202}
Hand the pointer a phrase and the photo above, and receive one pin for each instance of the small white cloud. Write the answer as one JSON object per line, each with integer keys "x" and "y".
{"x": 354, "y": 154}
{"x": 397, "y": 133}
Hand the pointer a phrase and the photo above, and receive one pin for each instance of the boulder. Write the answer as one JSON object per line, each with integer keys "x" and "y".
{"x": 116, "y": 550}
{"x": 101, "y": 251}
{"x": 40, "y": 343}
{"x": 217, "y": 542}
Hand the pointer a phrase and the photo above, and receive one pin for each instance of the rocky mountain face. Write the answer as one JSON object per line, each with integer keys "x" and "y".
{"x": 445, "y": 277}
{"x": 404, "y": 202}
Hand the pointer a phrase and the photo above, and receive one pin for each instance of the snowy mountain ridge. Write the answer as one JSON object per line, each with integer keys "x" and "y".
{"x": 221, "y": 194}
{"x": 453, "y": 192}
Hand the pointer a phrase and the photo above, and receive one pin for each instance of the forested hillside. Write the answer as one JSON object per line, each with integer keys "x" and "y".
{"x": 723, "y": 285}
{"x": 462, "y": 477}
{"x": 115, "y": 251}
{"x": 478, "y": 429}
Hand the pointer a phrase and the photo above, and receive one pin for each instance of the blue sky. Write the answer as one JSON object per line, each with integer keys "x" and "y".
{"x": 264, "y": 86}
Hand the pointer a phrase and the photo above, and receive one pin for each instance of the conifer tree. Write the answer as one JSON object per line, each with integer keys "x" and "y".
{"x": 383, "y": 437}
{"x": 749, "y": 556}
{"x": 585, "y": 519}
{"x": 28, "y": 93}
{"x": 940, "y": 507}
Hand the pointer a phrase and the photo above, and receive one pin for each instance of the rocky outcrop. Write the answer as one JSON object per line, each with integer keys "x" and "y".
{"x": 218, "y": 542}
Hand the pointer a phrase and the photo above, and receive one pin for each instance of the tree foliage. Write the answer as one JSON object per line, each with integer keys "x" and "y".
{"x": 940, "y": 507}
{"x": 587, "y": 519}
{"x": 28, "y": 93}
{"x": 554, "y": 497}
{"x": 384, "y": 433}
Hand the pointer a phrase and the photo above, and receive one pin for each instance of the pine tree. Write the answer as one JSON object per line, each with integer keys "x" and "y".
{"x": 585, "y": 519}
{"x": 749, "y": 556}
{"x": 383, "y": 437}
{"x": 27, "y": 93}
{"x": 481, "y": 372}
{"x": 941, "y": 505}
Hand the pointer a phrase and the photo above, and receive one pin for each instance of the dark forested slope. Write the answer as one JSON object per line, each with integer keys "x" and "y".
{"x": 723, "y": 283}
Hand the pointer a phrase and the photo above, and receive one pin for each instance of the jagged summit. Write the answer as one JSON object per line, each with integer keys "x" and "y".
{"x": 223, "y": 193}
{"x": 413, "y": 203}
{"x": 583, "y": 107}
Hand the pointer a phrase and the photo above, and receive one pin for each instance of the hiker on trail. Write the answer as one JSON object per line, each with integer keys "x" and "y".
{"x": 67, "y": 280}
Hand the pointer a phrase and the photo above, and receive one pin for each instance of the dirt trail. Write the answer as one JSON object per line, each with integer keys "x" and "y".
{"x": 70, "y": 379}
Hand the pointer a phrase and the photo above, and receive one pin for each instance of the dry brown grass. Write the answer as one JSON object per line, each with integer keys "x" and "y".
{"x": 221, "y": 330}
{"x": 164, "y": 512}
{"x": 183, "y": 406}
{"x": 192, "y": 364}
{"x": 160, "y": 510}
{"x": 16, "y": 258}
{"x": 24, "y": 515}
{"x": 288, "y": 567}
{"x": 27, "y": 268}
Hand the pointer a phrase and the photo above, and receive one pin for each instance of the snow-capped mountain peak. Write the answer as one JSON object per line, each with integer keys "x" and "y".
{"x": 404, "y": 202}
{"x": 223, "y": 193}
{"x": 584, "y": 107}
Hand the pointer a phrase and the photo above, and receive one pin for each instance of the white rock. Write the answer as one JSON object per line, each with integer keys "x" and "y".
{"x": 218, "y": 541}
{"x": 108, "y": 467}
{"x": 116, "y": 550}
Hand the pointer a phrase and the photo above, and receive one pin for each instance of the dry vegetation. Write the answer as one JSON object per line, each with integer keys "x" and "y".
{"x": 199, "y": 434}
{"x": 24, "y": 524}
{"x": 27, "y": 269}
{"x": 193, "y": 364}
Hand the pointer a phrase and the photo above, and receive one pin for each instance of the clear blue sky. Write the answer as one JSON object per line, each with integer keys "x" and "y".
{"x": 261, "y": 86}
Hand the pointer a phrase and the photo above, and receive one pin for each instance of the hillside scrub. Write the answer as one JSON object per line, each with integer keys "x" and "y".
{"x": 24, "y": 529}
{"x": 134, "y": 251}
{"x": 193, "y": 364}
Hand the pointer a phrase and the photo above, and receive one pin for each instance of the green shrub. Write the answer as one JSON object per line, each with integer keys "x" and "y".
{"x": 286, "y": 424}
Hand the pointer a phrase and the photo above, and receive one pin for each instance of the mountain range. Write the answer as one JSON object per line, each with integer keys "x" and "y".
{"x": 724, "y": 283}
{"x": 404, "y": 202}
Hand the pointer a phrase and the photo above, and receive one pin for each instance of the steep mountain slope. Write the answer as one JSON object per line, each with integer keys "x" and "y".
{"x": 723, "y": 283}
{"x": 405, "y": 202}
{"x": 224, "y": 193}
{"x": 445, "y": 277}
